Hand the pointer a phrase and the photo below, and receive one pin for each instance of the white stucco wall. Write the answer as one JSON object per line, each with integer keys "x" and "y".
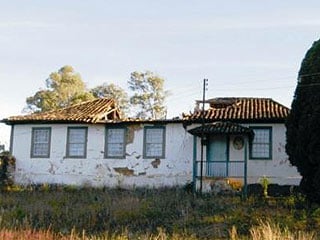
{"x": 95, "y": 170}
{"x": 175, "y": 169}
{"x": 277, "y": 170}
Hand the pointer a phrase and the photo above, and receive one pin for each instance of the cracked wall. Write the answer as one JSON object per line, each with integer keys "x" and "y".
{"x": 133, "y": 170}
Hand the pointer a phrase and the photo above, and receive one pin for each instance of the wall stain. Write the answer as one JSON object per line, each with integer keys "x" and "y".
{"x": 109, "y": 169}
{"x": 98, "y": 166}
{"x": 134, "y": 154}
{"x": 51, "y": 168}
{"x": 155, "y": 163}
{"x": 134, "y": 165}
{"x": 170, "y": 167}
{"x": 124, "y": 171}
{"x": 130, "y": 132}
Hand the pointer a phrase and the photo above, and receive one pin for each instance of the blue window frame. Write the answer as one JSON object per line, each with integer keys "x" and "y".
{"x": 261, "y": 145}
{"x": 154, "y": 142}
{"x": 115, "y": 142}
{"x": 40, "y": 143}
{"x": 77, "y": 142}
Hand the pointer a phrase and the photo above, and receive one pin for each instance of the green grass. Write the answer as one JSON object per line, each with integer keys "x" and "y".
{"x": 172, "y": 213}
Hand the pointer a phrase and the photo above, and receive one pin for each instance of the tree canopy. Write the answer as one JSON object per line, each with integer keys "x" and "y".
{"x": 149, "y": 95}
{"x": 63, "y": 88}
{"x": 115, "y": 92}
{"x": 303, "y": 128}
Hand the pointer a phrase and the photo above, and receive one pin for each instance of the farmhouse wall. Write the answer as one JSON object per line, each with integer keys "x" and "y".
{"x": 95, "y": 170}
{"x": 277, "y": 169}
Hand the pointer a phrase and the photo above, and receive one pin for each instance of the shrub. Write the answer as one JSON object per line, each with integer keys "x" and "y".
{"x": 7, "y": 166}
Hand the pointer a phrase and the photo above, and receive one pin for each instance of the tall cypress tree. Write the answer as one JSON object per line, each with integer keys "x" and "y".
{"x": 303, "y": 124}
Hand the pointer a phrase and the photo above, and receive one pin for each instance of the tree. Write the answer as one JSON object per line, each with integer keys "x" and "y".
{"x": 63, "y": 88}
{"x": 115, "y": 92}
{"x": 303, "y": 128}
{"x": 149, "y": 95}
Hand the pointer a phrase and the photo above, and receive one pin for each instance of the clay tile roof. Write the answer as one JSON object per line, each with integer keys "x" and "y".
{"x": 221, "y": 127}
{"x": 240, "y": 109}
{"x": 98, "y": 110}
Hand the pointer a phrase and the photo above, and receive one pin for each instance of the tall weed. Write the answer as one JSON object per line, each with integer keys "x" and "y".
{"x": 142, "y": 212}
{"x": 270, "y": 231}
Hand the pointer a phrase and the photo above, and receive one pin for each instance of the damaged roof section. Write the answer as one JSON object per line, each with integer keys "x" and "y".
{"x": 96, "y": 111}
{"x": 240, "y": 109}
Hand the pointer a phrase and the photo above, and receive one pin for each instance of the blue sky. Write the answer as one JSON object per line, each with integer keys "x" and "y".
{"x": 245, "y": 48}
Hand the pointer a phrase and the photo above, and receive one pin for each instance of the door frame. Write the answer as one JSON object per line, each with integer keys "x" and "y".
{"x": 223, "y": 138}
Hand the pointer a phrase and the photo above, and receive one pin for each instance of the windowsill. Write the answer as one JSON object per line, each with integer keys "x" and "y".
{"x": 76, "y": 157}
{"x": 260, "y": 159}
{"x": 154, "y": 157}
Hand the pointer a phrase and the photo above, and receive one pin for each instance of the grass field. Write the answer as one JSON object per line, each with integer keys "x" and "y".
{"x": 169, "y": 213}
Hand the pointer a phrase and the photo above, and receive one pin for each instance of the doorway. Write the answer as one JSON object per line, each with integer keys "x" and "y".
{"x": 217, "y": 156}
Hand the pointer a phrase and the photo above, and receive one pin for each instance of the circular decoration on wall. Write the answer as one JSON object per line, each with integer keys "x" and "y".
{"x": 238, "y": 142}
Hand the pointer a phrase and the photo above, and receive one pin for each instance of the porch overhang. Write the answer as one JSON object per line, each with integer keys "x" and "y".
{"x": 221, "y": 128}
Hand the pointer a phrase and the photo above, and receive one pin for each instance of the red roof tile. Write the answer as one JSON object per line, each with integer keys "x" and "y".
{"x": 98, "y": 110}
{"x": 221, "y": 127}
{"x": 241, "y": 109}
{"x": 105, "y": 110}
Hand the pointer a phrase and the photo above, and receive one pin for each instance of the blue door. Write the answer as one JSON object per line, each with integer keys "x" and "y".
{"x": 217, "y": 156}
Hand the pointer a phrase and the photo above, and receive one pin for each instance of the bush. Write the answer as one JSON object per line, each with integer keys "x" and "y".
{"x": 7, "y": 166}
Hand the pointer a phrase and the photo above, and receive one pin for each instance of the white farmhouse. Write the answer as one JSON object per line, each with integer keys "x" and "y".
{"x": 89, "y": 144}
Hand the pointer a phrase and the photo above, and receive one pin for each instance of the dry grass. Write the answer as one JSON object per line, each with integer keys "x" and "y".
{"x": 264, "y": 231}
{"x": 49, "y": 235}
{"x": 169, "y": 213}
{"x": 270, "y": 231}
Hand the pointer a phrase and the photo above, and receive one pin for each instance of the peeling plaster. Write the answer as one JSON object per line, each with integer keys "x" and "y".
{"x": 52, "y": 168}
{"x": 170, "y": 167}
{"x": 134, "y": 154}
{"x": 134, "y": 165}
{"x": 155, "y": 163}
{"x": 131, "y": 131}
{"x": 133, "y": 170}
{"x": 109, "y": 169}
{"x": 99, "y": 166}
{"x": 124, "y": 171}
{"x": 281, "y": 147}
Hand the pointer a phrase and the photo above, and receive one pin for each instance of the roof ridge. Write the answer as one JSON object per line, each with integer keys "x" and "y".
{"x": 241, "y": 109}
{"x": 88, "y": 111}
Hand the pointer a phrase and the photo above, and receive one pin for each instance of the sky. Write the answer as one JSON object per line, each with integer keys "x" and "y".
{"x": 244, "y": 48}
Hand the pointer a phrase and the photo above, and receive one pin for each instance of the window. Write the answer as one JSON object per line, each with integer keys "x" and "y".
{"x": 115, "y": 143}
{"x": 154, "y": 142}
{"x": 261, "y": 146}
{"x": 40, "y": 143}
{"x": 77, "y": 142}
